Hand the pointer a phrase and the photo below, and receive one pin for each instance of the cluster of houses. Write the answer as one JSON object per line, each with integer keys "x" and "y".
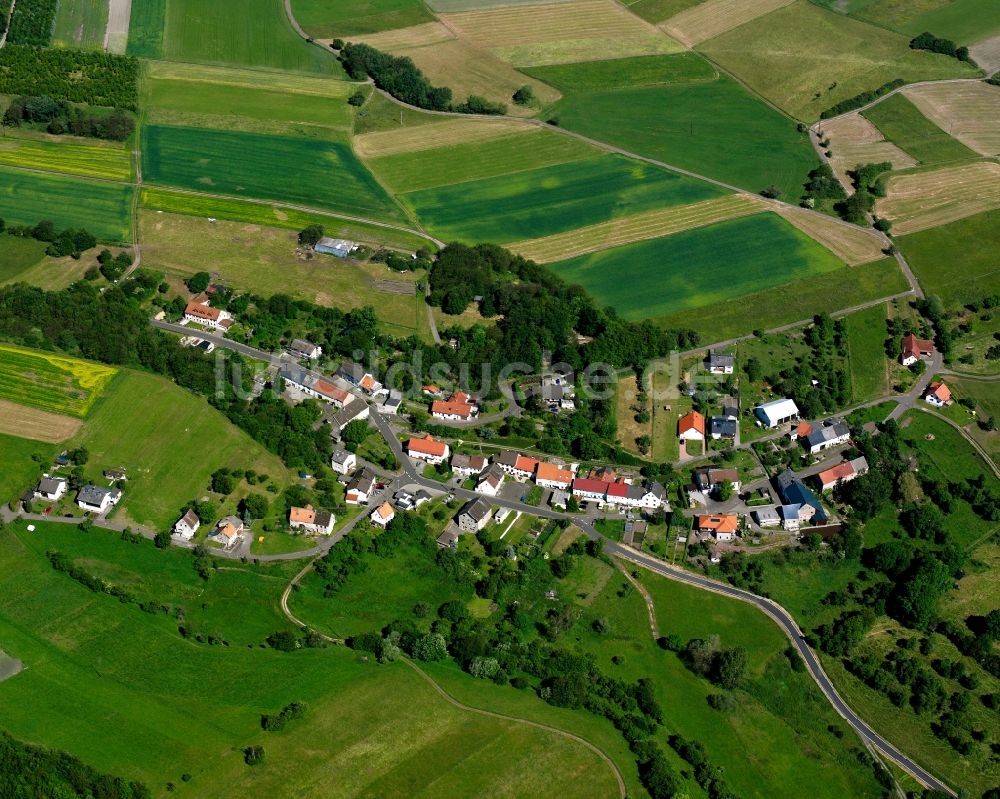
{"x": 89, "y": 498}
{"x": 227, "y": 533}
{"x": 693, "y": 426}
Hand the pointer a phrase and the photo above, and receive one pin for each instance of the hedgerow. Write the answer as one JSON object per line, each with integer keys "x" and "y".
{"x": 78, "y": 76}
{"x": 861, "y": 99}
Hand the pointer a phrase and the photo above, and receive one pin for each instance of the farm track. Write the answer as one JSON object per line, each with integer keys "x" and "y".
{"x": 10, "y": 16}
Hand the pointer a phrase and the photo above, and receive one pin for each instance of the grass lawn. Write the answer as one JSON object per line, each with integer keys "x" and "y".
{"x": 697, "y": 268}
{"x": 145, "y": 28}
{"x": 792, "y": 302}
{"x": 326, "y": 20}
{"x": 17, "y": 255}
{"x": 670, "y": 406}
{"x": 626, "y": 73}
{"x": 101, "y": 208}
{"x": 866, "y": 334}
{"x": 110, "y": 162}
{"x": 267, "y": 167}
{"x": 805, "y": 59}
{"x": 153, "y": 440}
{"x": 964, "y": 21}
{"x": 51, "y": 382}
{"x": 625, "y": 402}
{"x": 552, "y": 199}
{"x": 902, "y": 123}
{"x": 987, "y": 399}
{"x": 715, "y": 128}
{"x": 245, "y": 32}
{"x": 80, "y": 23}
{"x": 957, "y": 261}
{"x": 20, "y": 471}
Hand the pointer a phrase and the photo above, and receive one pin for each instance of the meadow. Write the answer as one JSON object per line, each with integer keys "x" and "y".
{"x": 964, "y": 21}
{"x": 698, "y": 268}
{"x": 24, "y": 261}
{"x": 902, "y": 123}
{"x": 987, "y": 400}
{"x": 805, "y": 59}
{"x": 866, "y": 334}
{"x": 714, "y": 17}
{"x": 108, "y": 162}
{"x": 626, "y": 73}
{"x": 659, "y": 10}
{"x": 854, "y": 140}
{"x": 948, "y": 264}
{"x": 310, "y": 172}
{"x": 540, "y": 202}
{"x": 326, "y": 20}
{"x": 20, "y": 469}
{"x": 153, "y": 440}
{"x": 246, "y": 32}
{"x": 714, "y": 128}
{"x": 108, "y": 683}
{"x": 80, "y": 23}
{"x": 851, "y": 244}
{"x": 101, "y": 208}
{"x": 51, "y": 382}
{"x": 145, "y": 28}
{"x": 17, "y": 255}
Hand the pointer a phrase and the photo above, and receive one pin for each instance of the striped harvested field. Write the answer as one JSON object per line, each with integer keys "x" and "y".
{"x": 640, "y": 227}
{"x": 928, "y": 199}
{"x": 435, "y": 135}
{"x": 261, "y": 79}
{"x": 414, "y": 36}
{"x": 852, "y": 245}
{"x": 710, "y": 19}
{"x": 854, "y": 140}
{"x": 23, "y": 422}
{"x": 968, "y": 111}
{"x": 579, "y": 30}
{"x": 987, "y": 54}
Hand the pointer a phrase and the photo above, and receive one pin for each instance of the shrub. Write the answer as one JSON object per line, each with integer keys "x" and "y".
{"x": 253, "y": 755}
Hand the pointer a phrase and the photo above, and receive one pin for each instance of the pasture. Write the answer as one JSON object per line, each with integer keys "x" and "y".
{"x": 370, "y": 730}
{"x": 854, "y": 140}
{"x": 714, "y": 128}
{"x": 540, "y": 202}
{"x": 20, "y": 469}
{"x": 968, "y": 111}
{"x": 101, "y": 208}
{"x": 80, "y": 23}
{"x": 17, "y": 255}
{"x": 965, "y": 21}
{"x": 921, "y": 200}
{"x": 902, "y": 123}
{"x": 325, "y": 20}
{"x": 145, "y": 28}
{"x": 698, "y": 268}
{"x": 851, "y": 245}
{"x": 51, "y": 382}
{"x": 805, "y": 59}
{"x": 626, "y": 73}
{"x": 957, "y": 261}
{"x": 658, "y": 10}
{"x": 987, "y": 400}
{"x": 109, "y": 162}
{"x": 714, "y": 17}
{"x": 253, "y": 33}
{"x": 266, "y": 167}
{"x": 528, "y": 149}
{"x": 869, "y": 366}
{"x": 25, "y": 261}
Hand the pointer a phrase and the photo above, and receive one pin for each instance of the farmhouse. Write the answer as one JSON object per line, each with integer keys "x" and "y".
{"x": 720, "y": 363}
{"x": 766, "y": 517}
{"x": 491, "y": 481}
{"x": 723, "y": 427}
{"x": 360, "y": 487}
{"x": 843, "y": 472}
{"x": 343, "y": 461}
{"x": 314, "y": 385}
{"x": 228, "y": 531}
{"x": 428, "y": 449}
{"x": 691, "y": 427}
{"x": 708, "y": 480}
{"x": 355, "y": 409}
{"x": 187, "y": 525}
{"x": 722, "y": 526}
{"x": 475, "y": 515}
{"x": 466, "y": 466}
{"x": 619, "y": 492}
{"x": 94, "y": 499}
{"x": 794, "y": 492}
{"x": 311, "y": 520}
{"x": 199, "y": 309}
{"x": 938, "y": 394}
{"x": 300, "y": 348}
{"x": 340, "y": 248}
{"x": 382, "y": 515}
{"x": 829, "y": 434}
{"x": 548, "y": 475}
{"x": 776, "y": 413}
{"x": 355, "y": 374}
{"x": 459, "y": 407}
{"x": 516, "y": 465}
{"x": 914, "y": 349}
{"x": 51, "y": 488}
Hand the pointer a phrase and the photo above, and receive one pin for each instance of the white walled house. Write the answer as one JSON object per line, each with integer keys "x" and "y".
{"x": 52, "y": 489}
{"x": 186, "y": 526}
{"x": 94, "y": 499}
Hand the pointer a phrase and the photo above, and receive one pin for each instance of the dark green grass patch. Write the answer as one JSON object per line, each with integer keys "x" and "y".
{"x": 101, "y": 208}
{"x": 698, "y": 268}
{"x": 18, "y": 254}
{"x": 902, "y": 123}
{"x": 866, "y": 334}
{"x": 553, "y": 199}
{"x": 20, "y": 471}
{"x": 716, "y": 129}
{"x": 626, "y": 73}
{"x": 958, "y": 261}
{"x": 145, "y": 28}
{"x": 327, "y": 20}
{"x": 309, "y": 172}
{"x": 659, "y": 10}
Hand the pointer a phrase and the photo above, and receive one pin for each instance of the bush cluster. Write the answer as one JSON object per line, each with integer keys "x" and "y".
{"x": 59, "y": 117}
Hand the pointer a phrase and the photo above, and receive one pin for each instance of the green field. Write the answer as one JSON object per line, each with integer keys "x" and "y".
{"x": 902, "y": 123}
{"x": 122, "y": 690}
{"x": 964, "y": 21}
{"x": 309, "y": 172}
{"x": 957, "y": 261}
{"x": 326, "y": 20}
{"x": 247, "y": 32}
{"x": 698, "y": 268}
{"x": 540, "y": 202}
{"x": 17, "y": 255}
{"x": 19, "y": 469}
{"x": 660, "y": 10}
{"x": 154, "y": 440}
{"x": 626, "y": 73}
{"x": 805, "y": 59}
{"x": 866, "y": 334}
{"x": 112, "y": 163}
{"x": 145, "y": 28}
{"x": 714, "y": 128}
{"x": 51, "y": 382}
{"x": 460, "y": 163}
{"x": 101, "y": 208}
{"x": 80, "y": 23}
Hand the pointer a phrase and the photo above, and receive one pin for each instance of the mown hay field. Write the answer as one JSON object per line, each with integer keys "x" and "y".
{"x": 553, "y": 199}
{"x": 640, "y": 227}
{"x": 714, "y": 17}
{"x": 968, "y": 111}
{"x": 926, "y": 199}
{"x": 805, "y": 59}
{"x": 659, "y": 10}
{"x": 903, "y": 124}
{"x": 110, "y": 162}
{"x": 315, "y": 173}
{"x": 987, "y": 54}
{"x": 479, "y": 160}
{"x": 626, "y": 73}
{"x": 51, "y": 382}
{"x": 321, "y": 88}
{"x": 854, "y": 140}
{"x": 102, "y": 208}
{"x": 325, "y": 20}
{"x": 698, "y": 268}
{"x": 80, "y": 23}
{"x": 435, "y": 135}
{"x": 24, "y": 422}
{"x": 850, "y": 244}
{"x": 866, "y": 334}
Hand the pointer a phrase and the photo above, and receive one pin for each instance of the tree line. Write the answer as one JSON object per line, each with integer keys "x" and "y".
{"x": 78, "y": 76}
{"x": 936, "y": 44}
{"x": 61, "y": 242}
{"x": 861, "y": 99}
{"x": 59, "y": 117}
